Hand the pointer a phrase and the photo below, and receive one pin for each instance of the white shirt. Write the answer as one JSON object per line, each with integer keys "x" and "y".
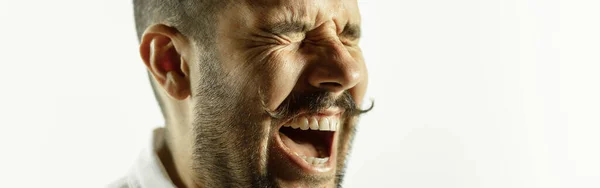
{"x": 148, "y": 171}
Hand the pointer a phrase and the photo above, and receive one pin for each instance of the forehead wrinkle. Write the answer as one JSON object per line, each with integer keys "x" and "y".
{"x": 312, "y": 12}
{"x": 286, "y": 13}
{"x": 297, "y": 16}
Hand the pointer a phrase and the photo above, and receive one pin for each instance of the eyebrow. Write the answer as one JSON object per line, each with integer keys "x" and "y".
{"x": 351, "y": 31}
{"x": 287, "y": 27}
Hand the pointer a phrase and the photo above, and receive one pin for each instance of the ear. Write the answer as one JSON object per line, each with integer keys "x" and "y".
{"x": 161, "y": 50}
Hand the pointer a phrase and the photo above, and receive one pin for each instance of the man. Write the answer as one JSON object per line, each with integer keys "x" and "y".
{"x": 255, "y": 93}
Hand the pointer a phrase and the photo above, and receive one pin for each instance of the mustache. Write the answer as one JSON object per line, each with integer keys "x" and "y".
{"x": 314, "y": 103}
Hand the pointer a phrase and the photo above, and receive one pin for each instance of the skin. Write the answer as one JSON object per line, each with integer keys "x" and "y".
{"x": 218, "y": 133}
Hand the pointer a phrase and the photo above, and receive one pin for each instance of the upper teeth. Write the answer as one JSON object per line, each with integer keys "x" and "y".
{"x": 313, "y": 123}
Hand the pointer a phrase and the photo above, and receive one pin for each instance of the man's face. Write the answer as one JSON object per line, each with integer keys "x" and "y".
{"x": 275, "y": 104}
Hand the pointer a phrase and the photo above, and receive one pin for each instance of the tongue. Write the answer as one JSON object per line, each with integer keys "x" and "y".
{"x": 300, "y": 146}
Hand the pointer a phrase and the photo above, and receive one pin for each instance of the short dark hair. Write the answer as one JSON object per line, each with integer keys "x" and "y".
{"x": 193, "y": 18}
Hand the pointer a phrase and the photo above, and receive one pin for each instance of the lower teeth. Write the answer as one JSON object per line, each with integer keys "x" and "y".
{"x": 315, "y": 161}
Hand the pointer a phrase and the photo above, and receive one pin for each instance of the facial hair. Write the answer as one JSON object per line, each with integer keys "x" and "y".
{"x": 231, "y": 137}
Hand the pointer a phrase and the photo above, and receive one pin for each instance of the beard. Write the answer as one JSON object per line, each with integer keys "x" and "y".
{"x": 229, "y": 137}
{"x": 232, "y": 128}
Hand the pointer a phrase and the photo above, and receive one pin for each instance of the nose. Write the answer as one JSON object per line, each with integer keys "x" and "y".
{"x": 335, "y": 70}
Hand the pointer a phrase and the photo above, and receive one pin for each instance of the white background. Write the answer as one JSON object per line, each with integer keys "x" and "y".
{"x": 469, "y": 94}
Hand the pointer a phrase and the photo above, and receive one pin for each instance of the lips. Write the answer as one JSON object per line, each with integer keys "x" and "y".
{"x": 309, "y": 141}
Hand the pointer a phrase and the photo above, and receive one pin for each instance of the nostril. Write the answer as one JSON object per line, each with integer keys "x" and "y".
{"x": 330, "y": 85}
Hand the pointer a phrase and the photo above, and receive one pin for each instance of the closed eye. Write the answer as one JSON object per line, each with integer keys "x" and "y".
{"x": 351, "y": 32}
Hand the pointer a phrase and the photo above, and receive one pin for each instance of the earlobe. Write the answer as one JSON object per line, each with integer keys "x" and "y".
{"x": 177, "y": 86}
{"x": 160, "y": 50}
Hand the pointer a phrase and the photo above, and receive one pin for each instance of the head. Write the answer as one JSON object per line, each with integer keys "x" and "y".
{"x": 256, "y": 93}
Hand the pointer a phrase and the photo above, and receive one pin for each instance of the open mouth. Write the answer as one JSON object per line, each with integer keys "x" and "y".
{"x": 311, "y": 139}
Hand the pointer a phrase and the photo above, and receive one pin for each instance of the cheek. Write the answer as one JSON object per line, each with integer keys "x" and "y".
{"x": 280, "y": 74}
{"x": 358, "y": 92}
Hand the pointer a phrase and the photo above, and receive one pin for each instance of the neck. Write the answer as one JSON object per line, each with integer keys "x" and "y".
{"x": 166, "y": 158}
{"x": 177, "y": 160}
{"x": 176, "y": 153}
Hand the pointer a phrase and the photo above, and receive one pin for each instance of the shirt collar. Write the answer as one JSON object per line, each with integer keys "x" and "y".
{"x": 148, "y": 171}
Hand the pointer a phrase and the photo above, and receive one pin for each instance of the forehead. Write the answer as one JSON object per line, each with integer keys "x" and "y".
{"x": 313, "y": 12}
